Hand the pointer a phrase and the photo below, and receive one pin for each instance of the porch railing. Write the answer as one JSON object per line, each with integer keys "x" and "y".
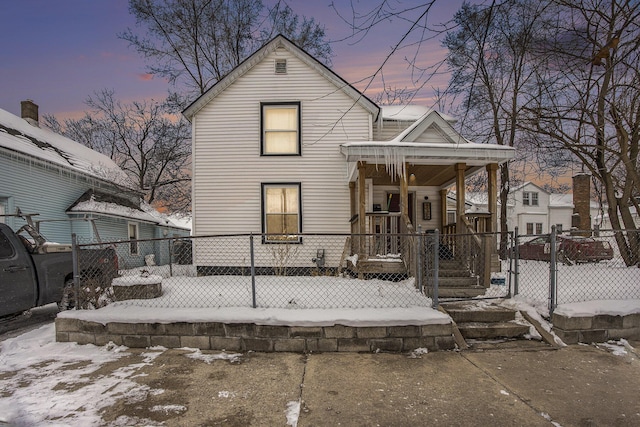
{"x": 383, "y": 229}
{"x": 476, "y": 251}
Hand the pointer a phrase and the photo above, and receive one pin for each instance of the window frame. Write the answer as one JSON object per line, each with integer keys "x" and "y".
{"x": 530, "y": 198}
{"x": 266, "y": 105}
{"x": 263, "y": 206}
{"x": 134, "y": 248}
{"x": 530, "y": 228}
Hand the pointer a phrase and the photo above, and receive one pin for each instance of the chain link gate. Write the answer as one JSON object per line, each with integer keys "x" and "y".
{"x": 466, "y": 266}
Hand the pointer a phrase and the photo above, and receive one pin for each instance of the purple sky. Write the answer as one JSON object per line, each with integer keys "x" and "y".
{"x": 57, "y": 53}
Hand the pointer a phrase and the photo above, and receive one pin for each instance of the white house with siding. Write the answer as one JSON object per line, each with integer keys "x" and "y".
{"x": 284, "y": 145}
{"x": 65, "y": 183}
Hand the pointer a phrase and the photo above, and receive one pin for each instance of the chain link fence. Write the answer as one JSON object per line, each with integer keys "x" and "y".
{"x": 321, "y": 271}
{"x": 560, "y": 268}
{"x": 301, "y": 271}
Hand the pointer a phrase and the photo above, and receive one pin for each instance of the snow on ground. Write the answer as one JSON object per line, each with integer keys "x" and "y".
{"x": 299, "y": 300}
{"x": 46, "y": 383}
{"x": 605, "y": 280}
{"x": 600, "y": 307}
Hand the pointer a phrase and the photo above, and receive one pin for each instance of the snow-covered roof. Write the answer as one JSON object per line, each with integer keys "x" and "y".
{"x": 96, "y": 202}
{"x": 561, "y": 200}
{"x": 410, "y": 112}
{"x": 19, "y": 136}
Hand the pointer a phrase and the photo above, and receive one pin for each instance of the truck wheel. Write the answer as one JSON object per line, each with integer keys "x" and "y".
{"x": 68, "y": 296}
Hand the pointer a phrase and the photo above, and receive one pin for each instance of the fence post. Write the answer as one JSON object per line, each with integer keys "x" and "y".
{"x": 170, "y": 257}
{"x": 436, "y": 259}
{"x": 510, "y": 249}
{"x": 418, "y": 258}
{"x": 516, "y": 256}
{"x": 76, "y": 274}
{"x": 253, "y": 272}
{"x": 552, "y": 271}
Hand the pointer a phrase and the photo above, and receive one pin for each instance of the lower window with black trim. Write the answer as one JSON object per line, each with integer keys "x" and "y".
{"x": 281, "y": 207}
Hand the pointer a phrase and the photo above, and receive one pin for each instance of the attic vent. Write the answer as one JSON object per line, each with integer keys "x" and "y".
{"x": 281, "y": 66}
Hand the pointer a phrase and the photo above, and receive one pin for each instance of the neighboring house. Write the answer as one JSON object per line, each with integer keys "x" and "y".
{"x": 284, "y": 145}
{"x": 530, "y": 211}
{"x": 534, "y": 210}
{"x": 70, "y": 187}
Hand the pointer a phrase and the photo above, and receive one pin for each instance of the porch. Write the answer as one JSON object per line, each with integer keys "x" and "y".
{"x": 406, "y": 188}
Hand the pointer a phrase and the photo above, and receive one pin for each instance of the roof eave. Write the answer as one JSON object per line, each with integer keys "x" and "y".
{"x": 427, "y": 154}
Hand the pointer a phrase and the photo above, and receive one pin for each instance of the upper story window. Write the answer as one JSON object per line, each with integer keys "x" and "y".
{"x": 280, "y": 125}
{"x": 530, "y": 198}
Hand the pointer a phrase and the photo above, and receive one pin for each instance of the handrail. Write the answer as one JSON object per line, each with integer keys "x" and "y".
{"x": 481, "y": 249}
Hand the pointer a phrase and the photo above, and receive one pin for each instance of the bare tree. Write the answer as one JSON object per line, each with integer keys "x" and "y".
{"x": 144, "y": 139}
{"x": 194, "y": 43}
{"x": 588, "y": 103}
{"x": 491, "y": 60}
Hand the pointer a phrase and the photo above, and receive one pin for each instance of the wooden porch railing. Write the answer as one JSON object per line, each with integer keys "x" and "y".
{"x": 388, "y": 234}
{"x": 472, "y": 246}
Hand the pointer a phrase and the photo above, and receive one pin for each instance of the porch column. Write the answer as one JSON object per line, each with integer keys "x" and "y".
{"x": 460, "y": 196}
{"x": 492, "y": 203}
{"x": 404, "y": 193}
{"x": 352, "y": 204}
{"x": 443, "y": 209}
{"x": 362, "y": 204}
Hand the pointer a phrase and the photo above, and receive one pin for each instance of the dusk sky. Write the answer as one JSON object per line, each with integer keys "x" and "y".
{"x": 59, "y": 52}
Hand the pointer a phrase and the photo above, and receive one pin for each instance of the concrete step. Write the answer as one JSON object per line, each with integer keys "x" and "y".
{"x": 464, "y": 312}
{"x": 483, "y": 330}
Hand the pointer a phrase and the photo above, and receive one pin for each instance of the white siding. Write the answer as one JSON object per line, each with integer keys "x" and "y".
{"x": 228, "y": 168}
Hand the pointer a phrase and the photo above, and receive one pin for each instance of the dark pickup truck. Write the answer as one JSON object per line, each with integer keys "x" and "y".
{"x": 34, "y": 272}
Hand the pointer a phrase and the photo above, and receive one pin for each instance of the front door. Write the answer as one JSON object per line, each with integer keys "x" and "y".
{"x": 393, "y": 199}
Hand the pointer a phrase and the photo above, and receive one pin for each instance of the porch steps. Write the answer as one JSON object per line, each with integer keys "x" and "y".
{"x": 455, "y": 281}
{"x": 485, "y": 321}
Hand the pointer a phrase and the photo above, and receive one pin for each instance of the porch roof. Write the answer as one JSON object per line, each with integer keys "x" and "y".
{"x": 428, "y": 141}
{"x": 426, "y": 153}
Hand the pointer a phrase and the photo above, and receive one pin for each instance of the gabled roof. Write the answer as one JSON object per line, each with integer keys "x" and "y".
{"x": 528, "y": 183}
{"x": 280, "y": 41}
{"x": 432, "y": 119}
{"x": 409, "y": 113}
{"x": 403, "y": 148}
{"x": 19, "y": 136}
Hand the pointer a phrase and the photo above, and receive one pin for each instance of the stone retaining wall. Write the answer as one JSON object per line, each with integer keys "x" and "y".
{"x": 252, "y": 337}
{"x": 600, "y": 328}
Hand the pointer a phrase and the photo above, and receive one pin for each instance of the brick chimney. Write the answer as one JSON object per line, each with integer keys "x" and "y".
{"x": 581, "y": 219}
{"x": 29, "y": 112}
